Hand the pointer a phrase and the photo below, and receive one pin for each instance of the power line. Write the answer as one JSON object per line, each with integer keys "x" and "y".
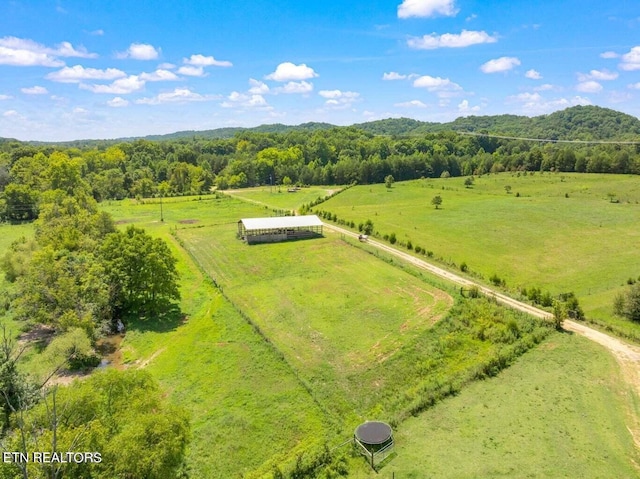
{"x": 548, "y": 140}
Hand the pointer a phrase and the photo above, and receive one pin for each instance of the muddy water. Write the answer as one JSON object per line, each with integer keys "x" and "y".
{"x": 109, "y": 349}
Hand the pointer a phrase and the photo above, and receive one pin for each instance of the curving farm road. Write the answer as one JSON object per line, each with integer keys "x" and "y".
{"x": 628, "y": 355}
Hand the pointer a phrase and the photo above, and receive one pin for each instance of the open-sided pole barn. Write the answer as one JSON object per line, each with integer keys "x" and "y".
{"x": 280, "y": 228}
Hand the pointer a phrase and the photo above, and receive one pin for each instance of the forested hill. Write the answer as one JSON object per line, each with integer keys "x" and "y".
{"x": 575, "y": 123}
{"x": 231, "y": 131}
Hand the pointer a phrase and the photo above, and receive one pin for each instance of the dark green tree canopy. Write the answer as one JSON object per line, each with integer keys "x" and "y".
{"x": 141, "y": 270}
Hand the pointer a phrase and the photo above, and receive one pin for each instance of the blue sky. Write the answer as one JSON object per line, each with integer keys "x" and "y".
{"x": 94, "y": 69}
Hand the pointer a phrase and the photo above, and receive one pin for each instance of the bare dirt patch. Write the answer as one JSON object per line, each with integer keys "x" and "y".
{"x": 188, "y": 222}
{"x": 39, "y": 333}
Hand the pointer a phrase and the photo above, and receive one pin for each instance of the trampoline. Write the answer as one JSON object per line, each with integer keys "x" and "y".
{"x": 375, "y": 440}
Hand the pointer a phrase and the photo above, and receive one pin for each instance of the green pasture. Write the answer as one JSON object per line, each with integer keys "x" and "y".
{"x": 247, "y": 407}
{"x": 562, "y": 233}
{"x": 559, "y": 411}
{"x": 333, "y": 310}
{"x": 8, "y": 234}
{"x": 182, "y": 211}
{"x": 279, "y": 198}
{"x": 347, "y": 327}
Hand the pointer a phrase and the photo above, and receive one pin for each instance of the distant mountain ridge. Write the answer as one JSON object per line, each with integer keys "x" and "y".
{"x": 586, "y": 123}
{"x": 574, "y": 123}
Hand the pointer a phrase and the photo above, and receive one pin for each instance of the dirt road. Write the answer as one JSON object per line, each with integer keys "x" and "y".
{"x": 628, "y": 355}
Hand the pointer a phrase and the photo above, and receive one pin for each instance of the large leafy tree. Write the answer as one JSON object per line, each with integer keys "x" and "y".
{"x": 141, "y": 270}
{"x": 21, "y": 202}
{"x": 119, "y": 414}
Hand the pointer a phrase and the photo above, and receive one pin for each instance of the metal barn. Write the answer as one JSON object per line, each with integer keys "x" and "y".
{"x": 280, "y": 228}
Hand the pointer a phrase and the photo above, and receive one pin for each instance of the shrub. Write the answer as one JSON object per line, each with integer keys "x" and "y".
{"x": 463, "y": 267}
{"x": 417, "y": 249}
{"x": 392, "y": 238}
{"x": 409, "y": 245}
{"x": 474, "y": 292}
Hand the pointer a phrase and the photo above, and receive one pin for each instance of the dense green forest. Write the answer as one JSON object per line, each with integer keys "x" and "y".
{"x": 318, "y": 154}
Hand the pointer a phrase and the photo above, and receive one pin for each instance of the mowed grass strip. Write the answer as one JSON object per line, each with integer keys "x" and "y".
{"x": 332, "y": 309}
{"x": 183, "y": 211}
{"x": 559, "y": 411}
{"x": 247, "y": 407}
{"x": 279, "y": 197}
{"x": 562, "y": 233}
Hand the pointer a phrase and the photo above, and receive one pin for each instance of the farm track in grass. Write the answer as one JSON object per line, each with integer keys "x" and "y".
{"x": 559, "y": 232}
{"x": 627, "y": 355}
{"x": 211, "y": 422}
{"x": 334, "y": 311}
{"x": 248, "y": 410}
{"x": 557, "y": 412}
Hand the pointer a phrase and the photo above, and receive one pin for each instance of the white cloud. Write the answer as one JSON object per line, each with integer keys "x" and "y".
{"x": 443, "y": 87}
{"x": 191, "y": 71}
{"x": 202, "y": 61}
{"x": 258, "y": 87}
{"x": 77, "y": 73}
{"x": 501, "y": 64}
{"x": 590, "y": 86}
{"x": 338, "y": 99}
{"x": 26, "y": 58}
{"x": 534, "y": 103}
{"x": 545, "y": 87}
{"x": 34, "y": 90}
{"x": 179, "y": 95}
{"x": 64, "y": 49}
{"x": 140, "y": 51}
{"x": 97, "y": 33}
{"x": 159, "y": 75}
{"x": 609, "y": 55}
{"x": 599, "y": 75}
{"x": 631, "y": 60}
{"x": 5, "y": 97}
{"x": 122, "y": 86}
{"x": 296, "y": 87}
{"x": 11, "y": 114}
{"x": 634, "y": 86}
{"x": 287, "y": 71}
{"x": 450, "y": 40}
{"x": 393, "y": 76}
{"x": 464, "y": 107}
{"x": 118, "y": 102}
{"x": 237, "y": 99}
{"x": 166, "y": 66}
{"x": 427, "y": 8}
{"x": 411, "y": 104}
{"x": 338, "y": 94}
{"x": 24, "y": 52}
{"x": 533, "y": 74}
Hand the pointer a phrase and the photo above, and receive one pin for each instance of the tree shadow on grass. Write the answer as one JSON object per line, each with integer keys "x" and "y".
{"x": 167, "y": 316}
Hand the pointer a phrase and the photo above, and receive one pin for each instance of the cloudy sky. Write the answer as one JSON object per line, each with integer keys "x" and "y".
{"x": 73, "y": 69}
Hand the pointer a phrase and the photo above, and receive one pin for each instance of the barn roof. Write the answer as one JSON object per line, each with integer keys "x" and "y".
{"x": 280, "y": 222}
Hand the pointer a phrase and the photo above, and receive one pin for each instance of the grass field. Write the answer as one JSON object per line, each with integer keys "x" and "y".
{"x": 247, "y": 407}
{"x": 280, "y": 198}
{"x": 344, "y": 337}
{"x": 561, "y": 234}
{"x": 9, "y": 234}
{"x": 332, "y": 309}
{"x": 559, "y": 411}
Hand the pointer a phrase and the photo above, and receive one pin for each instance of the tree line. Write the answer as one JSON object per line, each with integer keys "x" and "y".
{"x": 340, "y": 155}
